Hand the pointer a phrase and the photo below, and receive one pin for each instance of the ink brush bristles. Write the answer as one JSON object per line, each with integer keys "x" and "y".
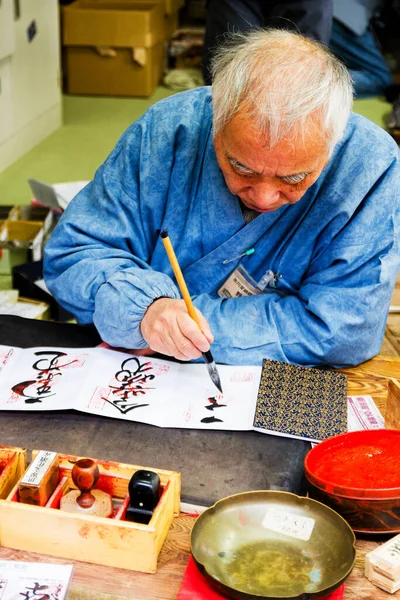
{"x": 208, "y": 357}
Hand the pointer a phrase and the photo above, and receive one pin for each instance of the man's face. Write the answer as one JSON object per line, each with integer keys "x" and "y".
{"x": 267, "y": 179}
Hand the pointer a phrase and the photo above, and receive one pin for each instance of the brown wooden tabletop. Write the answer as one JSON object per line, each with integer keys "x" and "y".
{"x": 96, "y": 582}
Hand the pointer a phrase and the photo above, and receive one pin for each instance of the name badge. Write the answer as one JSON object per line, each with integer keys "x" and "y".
{"x": 239, "y": 283}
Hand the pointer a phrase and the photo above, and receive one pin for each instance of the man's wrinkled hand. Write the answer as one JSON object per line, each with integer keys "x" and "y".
{"x": 168, "y": 329}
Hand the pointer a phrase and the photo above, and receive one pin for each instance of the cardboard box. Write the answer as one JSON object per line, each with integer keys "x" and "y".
{"x": 4, "y": 212}
{"x": 14, "y": 243}
{"x": 171, "y": 11}
{"x": 173, "y": 6}
{"x": 170, "y": 7}
{"x": 19, "y": 233}
{"x": 113, "y": 47}
{"x": 28, "y": 213}
{"x": 23, "y": 240}
{"x": 23, "y": 213}
{"x": 122, "y": 75}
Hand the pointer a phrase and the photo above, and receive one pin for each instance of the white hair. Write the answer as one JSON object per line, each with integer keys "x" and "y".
{"x": 280, "y": 79}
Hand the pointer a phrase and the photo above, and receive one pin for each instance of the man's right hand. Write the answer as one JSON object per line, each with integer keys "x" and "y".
{"x": 168, "y": 329}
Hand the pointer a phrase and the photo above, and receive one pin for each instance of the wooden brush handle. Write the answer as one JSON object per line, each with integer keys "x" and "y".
{"x": 179, "y": 277}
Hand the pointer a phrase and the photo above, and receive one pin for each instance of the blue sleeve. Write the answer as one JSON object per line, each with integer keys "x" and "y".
{"x": 97, "y": 259}
{"x": 338, "y": 316}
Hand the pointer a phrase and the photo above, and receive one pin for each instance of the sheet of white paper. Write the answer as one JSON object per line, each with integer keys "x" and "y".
{"x": 22, "y": 309}
{"x": 144, "y": 389}
{"x": 65, "y": 192}
{"x": 168, "y": 394}
{"x": 57, "y": 195}
{"x": 26, "y": 579}
{"x": 41, "y": 378}
{"x": 120, "y": 385}
{"x": 42, "y": 285}
{"x": 8, "y": 297}
{"x": 6, "y": 354}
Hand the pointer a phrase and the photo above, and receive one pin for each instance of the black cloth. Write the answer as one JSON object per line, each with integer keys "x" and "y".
{"x": 310, "y": 17}
{"x": 25, "y": 333}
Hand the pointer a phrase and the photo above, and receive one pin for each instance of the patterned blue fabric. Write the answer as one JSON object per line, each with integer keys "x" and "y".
{"x": 337, "y": 248}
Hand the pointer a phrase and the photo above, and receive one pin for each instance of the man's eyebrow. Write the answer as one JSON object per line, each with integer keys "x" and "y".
{"x": 236, "y": 163}
{"x": 299, "y": 176}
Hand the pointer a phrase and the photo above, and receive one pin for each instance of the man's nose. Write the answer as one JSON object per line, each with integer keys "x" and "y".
{"x": 265, "y": 194}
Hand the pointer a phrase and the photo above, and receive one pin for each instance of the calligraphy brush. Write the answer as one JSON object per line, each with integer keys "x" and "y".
{"x": 207, "y": 356}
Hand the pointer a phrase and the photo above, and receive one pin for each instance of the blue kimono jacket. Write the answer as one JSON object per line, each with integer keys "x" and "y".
{"x": 337, "y": 249}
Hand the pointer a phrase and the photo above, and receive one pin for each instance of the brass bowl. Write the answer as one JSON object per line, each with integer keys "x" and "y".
{"x": 273, "y": 545}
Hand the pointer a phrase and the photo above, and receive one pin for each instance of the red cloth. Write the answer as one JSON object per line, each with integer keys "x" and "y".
{"x": 196, "y": 587}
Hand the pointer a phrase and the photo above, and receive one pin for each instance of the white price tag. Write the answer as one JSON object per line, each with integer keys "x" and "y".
{"x": 288, "y": 523}
{"x": 362, "y": 414}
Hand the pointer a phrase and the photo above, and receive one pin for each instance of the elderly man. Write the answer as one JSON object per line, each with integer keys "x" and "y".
{"x": 282, "y": 206}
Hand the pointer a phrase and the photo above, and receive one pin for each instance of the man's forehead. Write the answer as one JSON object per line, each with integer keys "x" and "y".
{"x": 293, "y": 154}
{"x": 276, "y": 159}
{"x": 303, "y": 136}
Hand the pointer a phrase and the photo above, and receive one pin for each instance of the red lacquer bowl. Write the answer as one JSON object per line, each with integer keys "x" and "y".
{"x": 358, "y": 475}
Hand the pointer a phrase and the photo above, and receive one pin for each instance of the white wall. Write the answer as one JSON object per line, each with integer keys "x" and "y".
{"x": 30, "y": 98}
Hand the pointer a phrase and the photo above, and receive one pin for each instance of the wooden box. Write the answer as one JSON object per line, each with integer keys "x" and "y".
{"x": 107, "y": 541}
{"x": 12, "y": 467}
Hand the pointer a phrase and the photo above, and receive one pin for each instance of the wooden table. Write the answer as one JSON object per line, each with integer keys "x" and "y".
{"x": 95, "y": 582}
